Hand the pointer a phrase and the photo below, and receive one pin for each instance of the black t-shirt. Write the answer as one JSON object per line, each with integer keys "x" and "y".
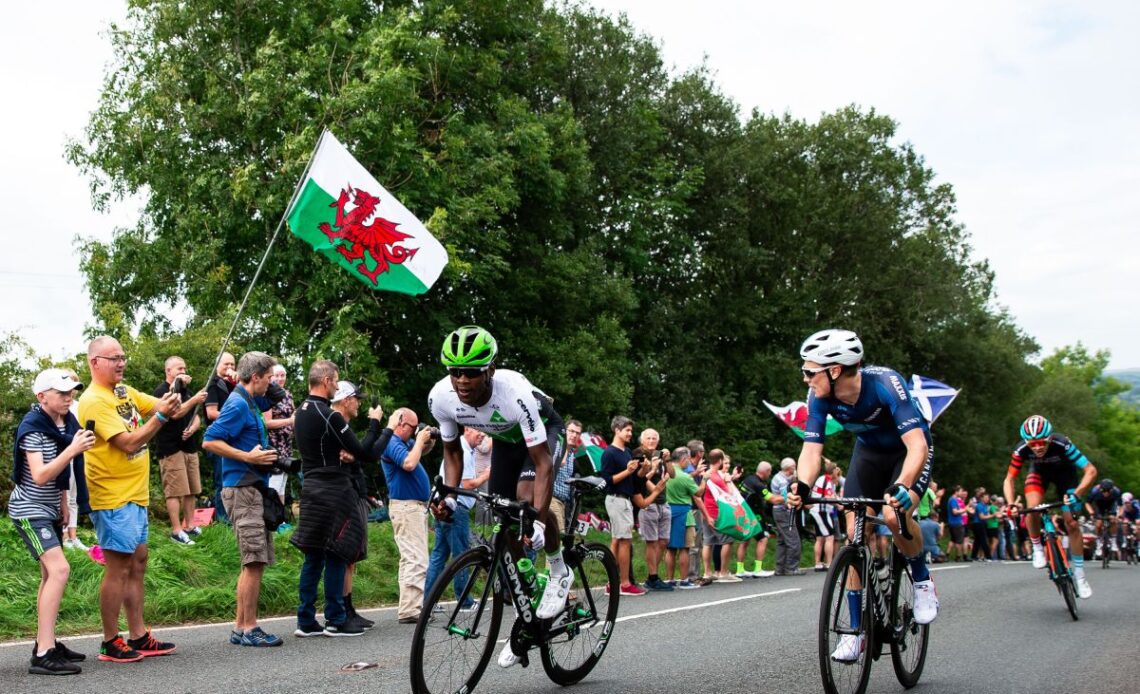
{"x": 652, "y": 481}
{"x": 755, "y": 493}
{"x": 169, "y": 439}
{"x": 615, "y": 460}
{"x": 217, "y": 390}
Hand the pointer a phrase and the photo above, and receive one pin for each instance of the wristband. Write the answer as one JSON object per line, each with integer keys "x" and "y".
{"x": 162, "y": 419}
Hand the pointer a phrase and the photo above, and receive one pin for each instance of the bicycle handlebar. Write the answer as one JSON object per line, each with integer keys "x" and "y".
{"x": 857, "y": 501}
{"x": 494, "y": 500}
{"x": 1041, "y": 508}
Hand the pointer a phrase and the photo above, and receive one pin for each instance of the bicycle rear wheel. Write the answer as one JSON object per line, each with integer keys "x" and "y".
{"x": 835, "y": 623}
{"x": 908, "y": 651}
{"x": 451, "y": 649}
{"x": 578, "y": 637}
{"x": 1105, "y": 551}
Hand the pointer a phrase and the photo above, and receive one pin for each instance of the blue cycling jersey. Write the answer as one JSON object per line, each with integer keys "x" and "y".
{"x": 884, "y": 412}
{"x": 1132, "y": 510}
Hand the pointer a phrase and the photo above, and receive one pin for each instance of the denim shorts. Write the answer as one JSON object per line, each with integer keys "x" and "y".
{"x": 121, "y": 529}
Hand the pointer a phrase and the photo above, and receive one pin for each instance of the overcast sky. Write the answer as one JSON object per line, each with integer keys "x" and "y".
{"x": 1029, "y": 109}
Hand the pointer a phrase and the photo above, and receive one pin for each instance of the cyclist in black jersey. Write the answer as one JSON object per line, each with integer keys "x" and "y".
{"x": 1104, "y": 502}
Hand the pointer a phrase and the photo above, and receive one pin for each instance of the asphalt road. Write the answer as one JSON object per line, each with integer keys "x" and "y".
{"x": 1003, "y": 628}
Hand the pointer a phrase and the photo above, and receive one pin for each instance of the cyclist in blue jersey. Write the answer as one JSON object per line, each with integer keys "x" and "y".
{"x": 1130, "y": 513}
{"x": 892, "y": 456}
{"x": 1053, "y": 459}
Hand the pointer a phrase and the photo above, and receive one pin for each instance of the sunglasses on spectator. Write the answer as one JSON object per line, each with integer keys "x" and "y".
{"x": 468, "y": 371}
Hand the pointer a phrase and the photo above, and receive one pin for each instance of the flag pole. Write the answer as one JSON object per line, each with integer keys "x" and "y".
{"x": 265, "y": 256}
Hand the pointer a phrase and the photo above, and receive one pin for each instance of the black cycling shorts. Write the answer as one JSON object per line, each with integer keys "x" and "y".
{"x": 872, "y": 471}
{"x": 511, "y": 463}
{"x": 1062, "y": 477}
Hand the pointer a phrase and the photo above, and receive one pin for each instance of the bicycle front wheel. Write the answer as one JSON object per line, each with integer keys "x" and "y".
{"x": 578, "y": 637}
{"x": 908, "y": 650}
{"x": 451, "y": 649}
{"x": 844, "y": 662}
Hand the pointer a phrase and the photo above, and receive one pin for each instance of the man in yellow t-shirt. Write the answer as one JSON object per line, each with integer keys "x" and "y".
{"x": 118, "y": 478}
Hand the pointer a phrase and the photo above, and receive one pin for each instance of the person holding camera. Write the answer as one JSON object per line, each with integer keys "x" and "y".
{"x": 332, "y": 531}
{"x": 239, "y": 437}
{"x": 177, "y": 451}
{"x": 409, "y": 489}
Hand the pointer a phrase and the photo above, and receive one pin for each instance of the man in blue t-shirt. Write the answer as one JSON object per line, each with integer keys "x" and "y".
{"x": 619, "y": 471}
{"x": 238, "y": 436}
{"x": 408, "y": 492}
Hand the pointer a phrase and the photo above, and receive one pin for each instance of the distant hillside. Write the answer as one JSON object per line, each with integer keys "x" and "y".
{"x": 1130, "y": 377}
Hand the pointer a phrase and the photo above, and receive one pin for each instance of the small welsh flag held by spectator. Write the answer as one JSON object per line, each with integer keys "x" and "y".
{"x": 795, "y": 414}
{"x": 733, "y": 517}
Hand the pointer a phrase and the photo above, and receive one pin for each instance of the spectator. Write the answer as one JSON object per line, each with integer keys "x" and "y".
{"x": 1009, "y": 532}
{"x": 279, "y": 422}
{"x": 484, "y": 519}
{"x": 757, "y": 495}
{"x": 619, "y": 469}
{"x": 718, "y": 476}
{"x": 332, "y": 531}
{"x": 930, "y": 500}
{"x": 118, "y": 479}
{"x": 656, "y": 517}
{"x": 409, "y": 489}
{"x": 177, "y": 450}
{"x": 980, "y": 513}
{"x": 238, "y": 436}
{"x": 563, "y": 472}
{"x": 787, "y": 536}
{"x": 649, "y": 485}
{"x": 452, "y": 534}
{"x": 48, "y": 439}
{"x": 218, "y": 389}
{"x": 931, "y": 530}
{"x": 680, "y": 492}
{"x": 697, "y": 468}
{"x": 956, "y": 522}
{"x": 823, "y": 519}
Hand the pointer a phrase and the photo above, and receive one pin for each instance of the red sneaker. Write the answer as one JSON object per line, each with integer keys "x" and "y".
{"x": 117, "y": 651}
{"x": 632, "y": 589}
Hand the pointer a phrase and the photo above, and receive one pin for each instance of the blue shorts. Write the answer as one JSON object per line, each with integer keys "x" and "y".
{"x": 677, "y": 526}
{"x": 121, "y": 529}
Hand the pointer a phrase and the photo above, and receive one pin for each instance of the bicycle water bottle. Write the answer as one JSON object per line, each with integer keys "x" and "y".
{"x": 539, "y": 586}
{"x": 526, "y": 571}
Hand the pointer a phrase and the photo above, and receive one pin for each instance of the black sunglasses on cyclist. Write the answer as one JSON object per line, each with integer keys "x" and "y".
{"x": 468, "y": 371}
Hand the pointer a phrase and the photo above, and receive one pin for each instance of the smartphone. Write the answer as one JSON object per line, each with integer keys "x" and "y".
{"x": 90, "y": 425}
{"x": 177, "y": 386}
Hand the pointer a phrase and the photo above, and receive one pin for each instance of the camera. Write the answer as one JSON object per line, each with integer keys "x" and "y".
{"x": 434, "y": 431}
{"x": 177, "y": 386}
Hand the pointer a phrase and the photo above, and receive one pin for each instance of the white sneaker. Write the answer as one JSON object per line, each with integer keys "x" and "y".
{"x": 762, "y": 573}
{"x": 78, "y": 544}
{"x": 849, "y": 648}
{"x": 67, "y": 544}
{"x": 1112, "y": 544}
{"x": 1084, "y": 590}
{"x": 507, "y": 657}
{"x": 925, "y": 602}
{"x": 1099, "y": 551}
{"x": 1038, "y": 557}
{"x": 554, "y": 597}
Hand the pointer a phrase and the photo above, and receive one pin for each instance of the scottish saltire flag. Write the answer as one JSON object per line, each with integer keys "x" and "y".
{"x": 591, "y": 448}
{"x": 931, "y": 396}
{"x": 795, "y": 413}
{"x": 348, "y": 217}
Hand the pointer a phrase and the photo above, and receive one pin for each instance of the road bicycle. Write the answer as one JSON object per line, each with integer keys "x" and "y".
{"x": 887, "y": 607}
{"x": 1128, "y": 549}
{"x": 451, "y": 648}
{"x": 1105, "y": 540}
{"x": 1057, "y": 558}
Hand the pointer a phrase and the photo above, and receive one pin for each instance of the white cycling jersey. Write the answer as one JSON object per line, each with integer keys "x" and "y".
{"x": 511, "y": 415}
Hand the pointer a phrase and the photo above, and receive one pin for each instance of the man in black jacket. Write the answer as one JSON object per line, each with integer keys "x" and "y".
{"x": 332, "y": 531}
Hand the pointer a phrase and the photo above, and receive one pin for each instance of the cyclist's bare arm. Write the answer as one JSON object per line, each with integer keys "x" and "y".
{"x": 806, "y": 469}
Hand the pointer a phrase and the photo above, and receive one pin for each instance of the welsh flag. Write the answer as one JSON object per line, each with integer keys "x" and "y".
{"x": 348, "y": 217}
{"x": 794, "y": 414}
{"x": 592, "y": 447}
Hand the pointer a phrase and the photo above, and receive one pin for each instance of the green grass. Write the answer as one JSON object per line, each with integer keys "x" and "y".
{"x": 186, "y": 585}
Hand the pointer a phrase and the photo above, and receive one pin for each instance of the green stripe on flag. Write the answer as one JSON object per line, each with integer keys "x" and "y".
{"x": 314, "y": 205}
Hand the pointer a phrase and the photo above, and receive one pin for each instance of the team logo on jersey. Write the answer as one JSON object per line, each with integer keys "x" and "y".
{"x": 497, "y": 417}
{"x": 898, "y": 386}
{"x": 526, "y": 413}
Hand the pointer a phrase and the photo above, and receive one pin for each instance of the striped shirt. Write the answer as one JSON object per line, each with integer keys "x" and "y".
{"x": 30, "y": 500}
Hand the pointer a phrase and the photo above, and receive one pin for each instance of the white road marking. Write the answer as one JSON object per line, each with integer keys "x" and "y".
{"x": 946, "y": 568}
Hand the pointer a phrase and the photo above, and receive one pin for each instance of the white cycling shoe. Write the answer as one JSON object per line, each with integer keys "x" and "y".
{"x": 554, "y": 596}
{"x": 1038, "y": 558}
{"x": 1084, "y": 590}
{"x": 849, "y": 648}
{"x": 925, "y": 602}
{"x": 507, "y": 657}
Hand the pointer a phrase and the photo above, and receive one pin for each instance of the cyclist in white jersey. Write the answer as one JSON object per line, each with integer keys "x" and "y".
{"x": 508, "y": 408}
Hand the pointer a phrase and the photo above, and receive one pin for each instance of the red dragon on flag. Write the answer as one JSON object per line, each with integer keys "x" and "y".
{"x": 378, "y": 239}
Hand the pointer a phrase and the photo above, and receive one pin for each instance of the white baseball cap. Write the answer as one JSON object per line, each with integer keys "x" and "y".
{"x": 55, "y": 379}
{"x": 345, "y": 390}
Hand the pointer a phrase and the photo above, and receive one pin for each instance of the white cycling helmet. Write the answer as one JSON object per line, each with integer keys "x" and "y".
{"x": 833, "y": 346}
{"x": 1127, "y": 496}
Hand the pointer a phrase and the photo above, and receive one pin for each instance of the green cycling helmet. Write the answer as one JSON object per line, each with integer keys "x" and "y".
{"x": 468, "y": 346}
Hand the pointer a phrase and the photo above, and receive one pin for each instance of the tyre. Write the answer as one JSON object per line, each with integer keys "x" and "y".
{"x": 1069, "y": 592}
{"x": 1106, "y": 553}
{"x": 578, "y": 637}
{"x": 451, "y": 649}
{"x": 835, "y": 622}
{"x": 1063, "y": 576}
{"x": 908, "y": 651}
